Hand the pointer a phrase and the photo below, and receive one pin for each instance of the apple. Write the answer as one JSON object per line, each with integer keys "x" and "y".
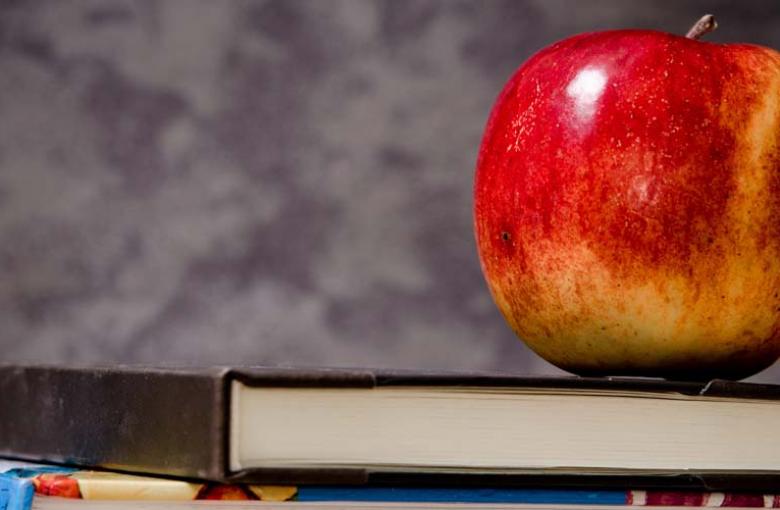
{"x": 627, "y": 205}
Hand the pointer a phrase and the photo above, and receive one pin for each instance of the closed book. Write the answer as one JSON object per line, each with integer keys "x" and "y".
{"x": 50, "y": 487}
{"x": 23, "y": 481}
{"x": 395, "y": 428}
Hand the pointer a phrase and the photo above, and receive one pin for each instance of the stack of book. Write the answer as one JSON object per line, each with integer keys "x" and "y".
{"x": 275, "y": 437}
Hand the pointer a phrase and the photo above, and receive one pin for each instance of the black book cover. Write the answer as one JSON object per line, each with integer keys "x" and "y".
{"x": 173, "y": 421}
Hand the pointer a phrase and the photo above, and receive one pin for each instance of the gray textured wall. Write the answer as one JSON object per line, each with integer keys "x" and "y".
{"x": 269, "y": 181}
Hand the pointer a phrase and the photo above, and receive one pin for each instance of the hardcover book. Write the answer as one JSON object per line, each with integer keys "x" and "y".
{"x": 23, "y": 484}
{"x": 41, "y": 487}
{"x": 352, "y": 427}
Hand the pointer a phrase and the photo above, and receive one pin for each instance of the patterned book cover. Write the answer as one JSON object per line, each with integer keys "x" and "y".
{"x": 112, "y": 486}
{"x": 19, "y": 482}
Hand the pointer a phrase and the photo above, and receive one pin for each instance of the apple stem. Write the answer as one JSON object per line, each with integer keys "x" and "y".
{"x": 705, "y": 25}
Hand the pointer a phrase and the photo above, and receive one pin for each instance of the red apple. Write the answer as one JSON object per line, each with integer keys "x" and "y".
{"x": 627, "y": 205}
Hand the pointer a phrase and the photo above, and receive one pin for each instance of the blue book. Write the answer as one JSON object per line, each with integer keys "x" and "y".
{"x": 462, "y": 495}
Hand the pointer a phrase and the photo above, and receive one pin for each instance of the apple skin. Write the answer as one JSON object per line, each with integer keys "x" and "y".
{"x": 627, "y": 205}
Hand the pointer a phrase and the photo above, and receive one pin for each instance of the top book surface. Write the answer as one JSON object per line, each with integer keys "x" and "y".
{"x": 287, "y": 425}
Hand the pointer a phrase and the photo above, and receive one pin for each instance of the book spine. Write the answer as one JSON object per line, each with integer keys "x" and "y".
{"x": 137, "y": 420}
{"x": 461, "y": 495}
{"x": 15, "y": 493}
{"x": 650, "y": 498}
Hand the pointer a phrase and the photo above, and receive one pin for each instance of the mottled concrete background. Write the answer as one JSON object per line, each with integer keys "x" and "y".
{"x": 270, "y": 181}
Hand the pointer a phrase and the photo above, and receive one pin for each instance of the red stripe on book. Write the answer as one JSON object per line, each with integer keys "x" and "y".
{"x": 744, "y": 500}
{"x": 675, "y": 498}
